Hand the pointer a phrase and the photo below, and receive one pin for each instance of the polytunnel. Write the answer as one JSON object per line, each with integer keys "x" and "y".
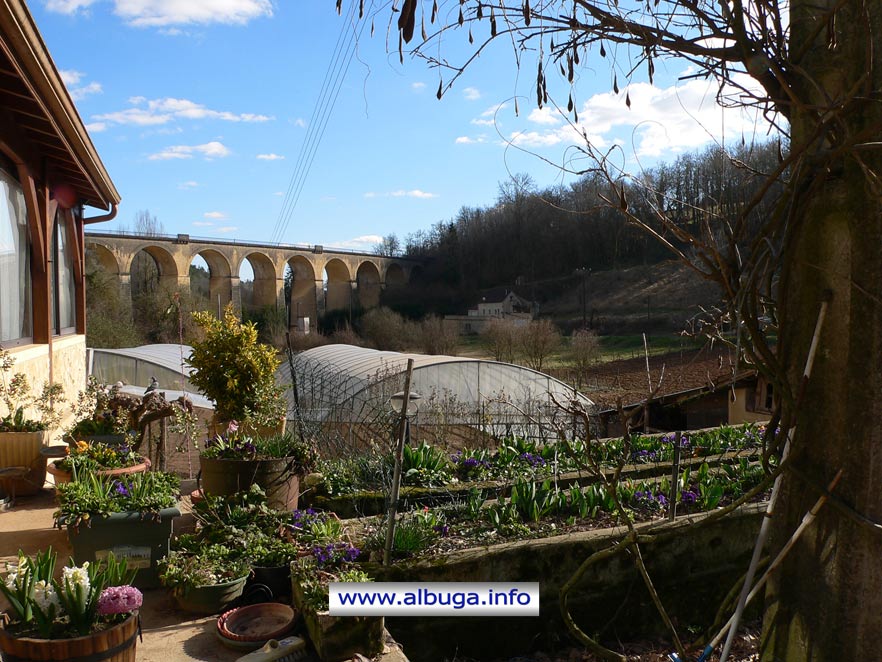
{"x": 344, "y": 384}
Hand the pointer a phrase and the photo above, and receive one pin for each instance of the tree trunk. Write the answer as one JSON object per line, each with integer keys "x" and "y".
{"x": 825, "y": 602}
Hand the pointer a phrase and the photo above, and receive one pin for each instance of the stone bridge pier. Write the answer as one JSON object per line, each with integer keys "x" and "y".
{"x": 324, "y": 280}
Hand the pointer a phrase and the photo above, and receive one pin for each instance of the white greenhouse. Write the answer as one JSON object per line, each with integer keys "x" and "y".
{"x": 345, "y": 385}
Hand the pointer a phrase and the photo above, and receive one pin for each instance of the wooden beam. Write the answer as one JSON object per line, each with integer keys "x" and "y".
{"x": 74, "y": 233}
{"x": 38, "y": 243}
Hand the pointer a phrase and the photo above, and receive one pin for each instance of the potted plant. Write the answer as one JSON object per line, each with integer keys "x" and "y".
{"x": 203, "y": 578}
{"x": 130, "y": 516}
{"x": 232, "y": 462}
{"x": 100, "y": 414}
{"x": 335, "y": 638}
{"x": 245, "y": 521}
{"x": 103, "y": 459}
{"x": 232, "y": 368}
{"x": 21, "y": 436}
{"x": 89, "y": 612}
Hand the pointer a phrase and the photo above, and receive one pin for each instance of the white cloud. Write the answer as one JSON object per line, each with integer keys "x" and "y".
{"x": 270, "y": 157}
{"x": 544, "y": 115}
{"x": 279, "y": 193}
{"x": 660, "y": 121}
{"x": 70, "y": 77}
{"x": 184, "y": 186}
{"x": 96, "y": 127}
{"x": 72, "y": 81}
{"x": 226, "y": 229}
{"x": 471, "y": 93}
{"x": 153, "y": 112}
{"x": 417, "y": 86}
{"x": 401, "y": 193}
{"x": 68, "y": 6}
{"x": 300, "y": 122}
{"x": 466, "y": 140}
{"x": 673, "y": 119}
{"x": 203, "y": 224}
{"x": 163, "y": 13}
{"x": 363, "y": 243}
{"x": 492, "y": 110}
{"x": 211, "y": 150}
{"x": 214, "y": 214}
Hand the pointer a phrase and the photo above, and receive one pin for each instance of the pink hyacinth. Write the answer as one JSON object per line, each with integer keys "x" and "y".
{"x": 119, "y": 600}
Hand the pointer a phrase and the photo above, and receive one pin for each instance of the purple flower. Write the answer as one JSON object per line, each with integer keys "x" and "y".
{"x": 662, "y": 499}
{"x": 351, "y": 553}
{"x": 121, "y": 489}
{"x": 119, "y": 600}
{"x": 533, "y": 460}
{"x": 689, "y": 497}
{"x": 442, "y": 529}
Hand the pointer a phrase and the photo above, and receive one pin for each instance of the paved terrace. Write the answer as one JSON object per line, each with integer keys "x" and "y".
{"x": 170, "y": 635}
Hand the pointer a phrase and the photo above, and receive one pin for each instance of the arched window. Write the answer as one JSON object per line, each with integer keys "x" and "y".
{"x": 15, "y": 272}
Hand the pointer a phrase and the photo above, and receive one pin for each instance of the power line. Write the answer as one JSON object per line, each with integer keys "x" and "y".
{"x": 344, "y": 51}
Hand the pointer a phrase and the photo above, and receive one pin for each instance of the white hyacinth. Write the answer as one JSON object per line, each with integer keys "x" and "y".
{"x": 76, "y": 577}
{"x": 46, "y": 597}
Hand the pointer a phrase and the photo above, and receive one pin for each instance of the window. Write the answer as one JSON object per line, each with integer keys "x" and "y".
{"x": 15, "y": 271}
{"x": 62, "y": 283}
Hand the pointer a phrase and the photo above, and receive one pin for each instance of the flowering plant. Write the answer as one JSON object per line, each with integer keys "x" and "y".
{"x": 86, "y": 598}
{"x": 92, "y": 455}
{"x": 98, "y": 496}
{"x": 235, "y": 445}
{"x": 16, "y": 395}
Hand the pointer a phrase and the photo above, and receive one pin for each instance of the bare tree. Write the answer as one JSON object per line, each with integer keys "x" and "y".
{"x": 584, "y": 352}
{"x": 385, "y": 329}
{"x": 390, "y": 245}
{"x": 501, "y": 334}
{"x": 437, "y": 336}
{"x": 537, "y": 340}
{"x": 814, "y": 68}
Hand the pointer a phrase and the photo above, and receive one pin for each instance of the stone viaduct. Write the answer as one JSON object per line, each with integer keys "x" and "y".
{"x": 324, "y": 279}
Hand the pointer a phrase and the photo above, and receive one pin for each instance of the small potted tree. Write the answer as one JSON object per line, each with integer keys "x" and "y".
{"x": 23, "y": 436}
{"x": 232, "y": 368}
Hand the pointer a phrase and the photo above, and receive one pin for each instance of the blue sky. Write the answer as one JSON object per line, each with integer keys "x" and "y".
{"x": 201, "y": 110}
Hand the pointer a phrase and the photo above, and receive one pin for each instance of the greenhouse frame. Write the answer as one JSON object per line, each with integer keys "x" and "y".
{"x": 347, "y": 385}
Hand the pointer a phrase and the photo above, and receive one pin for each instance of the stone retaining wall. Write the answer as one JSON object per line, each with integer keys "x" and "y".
{"x": 692, "y": 571}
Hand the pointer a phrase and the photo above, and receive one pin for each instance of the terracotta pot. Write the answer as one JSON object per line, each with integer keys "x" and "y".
{"x": 22, "y": 449}
{"x": 116, "y": 644}
{"x": 65, "y": 476}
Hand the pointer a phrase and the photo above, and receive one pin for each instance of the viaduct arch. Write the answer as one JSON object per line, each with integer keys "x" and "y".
{"x": 353, "y": 278}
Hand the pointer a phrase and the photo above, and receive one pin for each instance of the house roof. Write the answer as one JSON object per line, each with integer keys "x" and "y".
{"x": 35, "y": 100}
{"x": 682, "y": 374}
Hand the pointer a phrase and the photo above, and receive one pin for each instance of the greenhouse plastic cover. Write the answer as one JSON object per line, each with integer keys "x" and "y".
{"x": 341, "y": 382}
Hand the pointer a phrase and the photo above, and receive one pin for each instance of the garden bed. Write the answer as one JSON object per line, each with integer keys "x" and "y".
{"x": 692, "y": 571}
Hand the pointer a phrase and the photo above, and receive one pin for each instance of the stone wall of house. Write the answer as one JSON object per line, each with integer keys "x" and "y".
{"x": 68, "y": 369}
{"x": 692, "y": 569}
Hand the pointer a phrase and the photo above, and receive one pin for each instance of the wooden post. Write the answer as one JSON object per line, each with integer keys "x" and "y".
{"x": 675, "y": 477}
{"x": 396, "y": 476}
